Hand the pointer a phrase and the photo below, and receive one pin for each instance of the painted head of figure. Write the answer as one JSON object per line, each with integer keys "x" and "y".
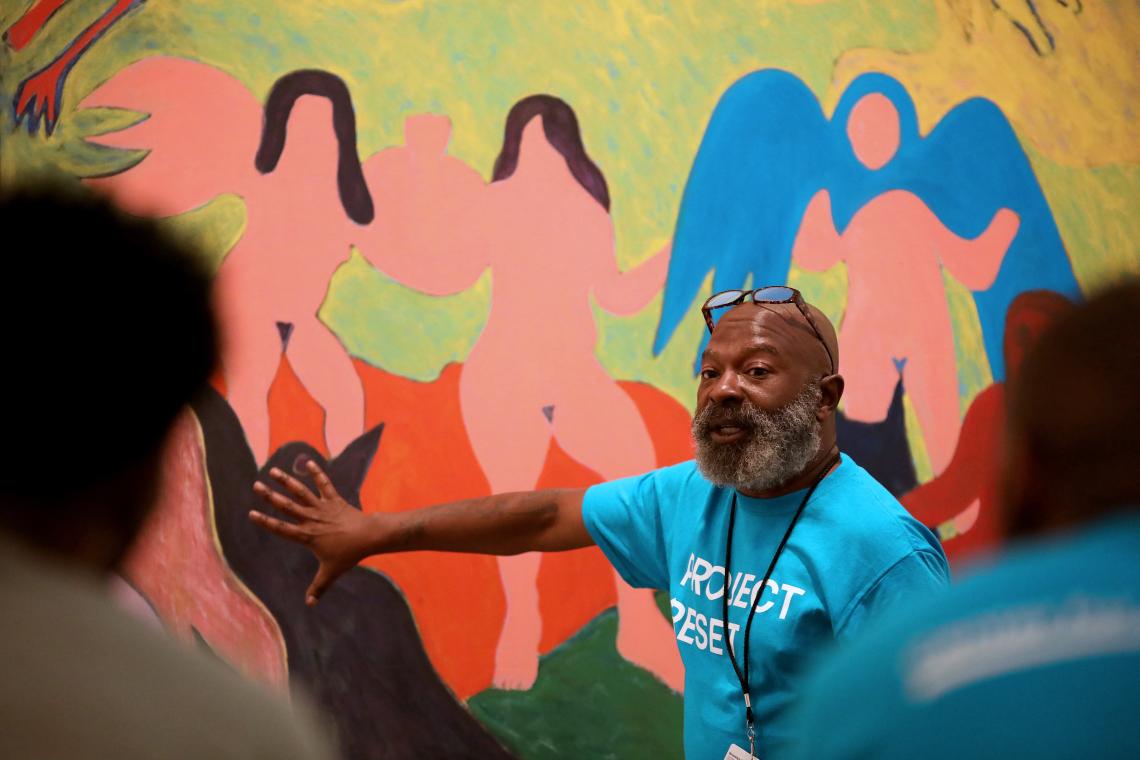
{"x": 766, "y": 402}
{"x": 1071, "y": 441}
{"x": 1028, "y": 316}
{"x": 873, "y": 129}
{"x": 560, "y": 129}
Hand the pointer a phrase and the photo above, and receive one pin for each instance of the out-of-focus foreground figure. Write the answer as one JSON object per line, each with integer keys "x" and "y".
{"x": 1038, "y": 655}
{"x": 109, "y": 332}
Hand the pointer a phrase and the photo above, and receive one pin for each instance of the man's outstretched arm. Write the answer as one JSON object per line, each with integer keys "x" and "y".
{"x": 341, "y": 536}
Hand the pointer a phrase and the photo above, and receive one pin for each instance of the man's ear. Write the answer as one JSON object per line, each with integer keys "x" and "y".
{"x": 831, "y": 390}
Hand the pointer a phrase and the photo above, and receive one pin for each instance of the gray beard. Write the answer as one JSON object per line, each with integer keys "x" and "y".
{"x": 778, "y": 446}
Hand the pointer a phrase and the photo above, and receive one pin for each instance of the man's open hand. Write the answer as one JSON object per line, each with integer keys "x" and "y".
{"x": 336, "y": 532}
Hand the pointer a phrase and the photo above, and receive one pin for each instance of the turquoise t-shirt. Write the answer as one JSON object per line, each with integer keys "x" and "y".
{"x": 1038, "y": 656}
{"x": 854, "y": 552}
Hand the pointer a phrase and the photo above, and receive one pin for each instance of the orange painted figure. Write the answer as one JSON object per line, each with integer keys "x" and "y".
{"x": 542, "y": 227}
{"x": 297, "y": 231}
{"x": 897, "y": 314}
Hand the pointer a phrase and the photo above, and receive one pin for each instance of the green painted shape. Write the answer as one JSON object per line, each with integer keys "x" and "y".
{"x": 923, "y": 470}
{"x": 827, "y": 290}
{"x": 662, "y": 600}
{"x": 588, "y": 702}
{"x": 398, "y": 329}
{"x": 213, "y": 229}
{"x": 974, "y": 372}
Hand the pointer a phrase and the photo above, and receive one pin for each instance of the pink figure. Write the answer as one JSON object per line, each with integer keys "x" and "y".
{"x": 176, "y": 565}
{"x": 543, "y": 228}
{"x": 202, "y": 135}
{"x": 39, "y": 96}
{"x": 895, "y": 248}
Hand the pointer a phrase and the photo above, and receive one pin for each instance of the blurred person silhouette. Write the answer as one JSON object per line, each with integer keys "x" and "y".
{"x": 1037, "y": 655}
{"x": 110, "y": 331}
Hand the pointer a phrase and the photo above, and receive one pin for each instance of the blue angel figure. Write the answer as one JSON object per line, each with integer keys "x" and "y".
{"x": 769, "y": 148}
{"x": 972, "y": 204}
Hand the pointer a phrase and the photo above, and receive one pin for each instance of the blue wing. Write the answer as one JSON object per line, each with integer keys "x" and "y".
{"x": 763, "y": 155}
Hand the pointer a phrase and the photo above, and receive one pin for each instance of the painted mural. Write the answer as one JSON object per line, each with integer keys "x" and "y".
{"x": 460, "y": 249}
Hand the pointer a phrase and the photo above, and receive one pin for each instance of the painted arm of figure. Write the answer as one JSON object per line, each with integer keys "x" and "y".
{"x": 38, "y": 97}
{"x": 818, "y": 246}
{"x": 944, "y": 497}
{"x": 956, "y": 487}
{"x": 975, "y": 263}
{"x": 625, "y": 293}
{"x": 340, "y": 536}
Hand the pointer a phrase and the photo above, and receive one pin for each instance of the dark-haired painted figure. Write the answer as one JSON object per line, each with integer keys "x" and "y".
{"x": 305, "y": 200}
{"x": 543, "y": 228}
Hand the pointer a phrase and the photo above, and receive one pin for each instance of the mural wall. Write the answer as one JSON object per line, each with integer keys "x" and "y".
{"x": 460, "y": 249}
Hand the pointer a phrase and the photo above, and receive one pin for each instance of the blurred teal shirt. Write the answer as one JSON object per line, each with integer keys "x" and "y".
{"x": 854, "y": 552}
{"x": 1037, "y": 656}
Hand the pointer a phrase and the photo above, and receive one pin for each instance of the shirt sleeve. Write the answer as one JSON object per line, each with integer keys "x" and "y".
{"x": 624, "y": 519}
{"x": 916, "y": 576}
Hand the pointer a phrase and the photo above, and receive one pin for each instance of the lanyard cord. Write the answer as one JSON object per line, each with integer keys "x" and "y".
{"x": 743, "y": 676}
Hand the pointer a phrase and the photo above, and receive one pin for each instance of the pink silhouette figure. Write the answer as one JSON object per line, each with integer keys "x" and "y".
{"x": 895, "y": 248}
{"x": 543, "y": 228}
{"x": 38, "y": 97}
{"x": 202, "y": 136}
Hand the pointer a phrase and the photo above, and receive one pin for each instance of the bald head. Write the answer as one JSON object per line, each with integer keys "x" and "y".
{"x": 793, "y": 326}
{"x": 1075, "y": 416}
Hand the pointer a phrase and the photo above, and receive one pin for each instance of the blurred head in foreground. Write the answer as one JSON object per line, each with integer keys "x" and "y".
{"x": 1073, "y": 432}
{"x": 1038, "y": 654}
{"x": 108, "y": 332}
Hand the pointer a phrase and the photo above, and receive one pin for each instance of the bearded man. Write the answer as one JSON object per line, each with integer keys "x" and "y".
{"x": 771, "y": 543}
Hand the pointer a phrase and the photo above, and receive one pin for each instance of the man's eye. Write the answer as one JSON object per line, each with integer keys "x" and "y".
{"x": 708, "y": 374}
{"x": 758, "y": 371}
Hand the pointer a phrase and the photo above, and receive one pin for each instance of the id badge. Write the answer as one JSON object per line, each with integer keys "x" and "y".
{"x": 736, "y": 752}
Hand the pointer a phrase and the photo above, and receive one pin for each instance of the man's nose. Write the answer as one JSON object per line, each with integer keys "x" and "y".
{"x": 727, "y": 388}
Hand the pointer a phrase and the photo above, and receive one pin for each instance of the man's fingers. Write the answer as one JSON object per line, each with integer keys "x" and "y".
{"x": 294, "y": 486}
{"x": 320, "y": 584}
{"x": 280, "y": 527}
{"x": 324, "y": 485}
{"x": 280, "y": 501}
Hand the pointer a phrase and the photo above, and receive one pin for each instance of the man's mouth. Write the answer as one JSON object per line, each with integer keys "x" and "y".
{"x": 728, "y": 432}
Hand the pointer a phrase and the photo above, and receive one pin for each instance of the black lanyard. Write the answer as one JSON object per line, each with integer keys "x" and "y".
{"x": 749, "y": 717}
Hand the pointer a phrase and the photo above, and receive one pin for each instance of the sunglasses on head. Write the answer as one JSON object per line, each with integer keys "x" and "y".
{"x": 766, "y": 294}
